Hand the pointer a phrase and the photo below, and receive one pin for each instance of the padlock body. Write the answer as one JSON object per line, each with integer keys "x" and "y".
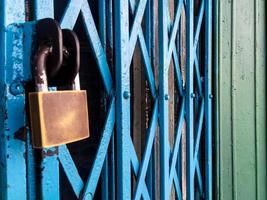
{"x": 58, "y": 117}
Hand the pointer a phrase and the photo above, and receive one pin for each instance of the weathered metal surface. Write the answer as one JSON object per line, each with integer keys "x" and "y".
{"x": 68, "y": 20}
{"x": 241, "y": 100}
{"x": 12, "y": 101}
{"x": 128, "y": 29}
{"x": 193, "y": 104}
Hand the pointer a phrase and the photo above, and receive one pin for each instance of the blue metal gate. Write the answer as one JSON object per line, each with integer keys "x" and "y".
{"x": 122, "y": 24}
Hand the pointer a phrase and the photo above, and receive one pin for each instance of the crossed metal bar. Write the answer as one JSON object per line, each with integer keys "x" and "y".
{"x": 125, "y": 42}
{"x": 168, "y": 34}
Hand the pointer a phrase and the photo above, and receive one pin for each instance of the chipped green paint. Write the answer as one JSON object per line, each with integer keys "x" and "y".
{"x": 241, "y": 100}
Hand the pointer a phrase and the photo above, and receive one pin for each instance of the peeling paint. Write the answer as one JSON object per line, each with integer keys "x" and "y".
{"x": 49, "y": 152}
{"x": 20, "y": 134}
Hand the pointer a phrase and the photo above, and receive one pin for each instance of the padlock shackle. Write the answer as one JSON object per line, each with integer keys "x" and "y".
{"x": 39, "y": 67}
{"x": 65, "y": 77}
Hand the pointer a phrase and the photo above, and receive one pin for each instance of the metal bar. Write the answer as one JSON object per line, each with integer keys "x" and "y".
{"x": 178, "y": 72}
{"x": 112, "y": 173}
{"x": 50, "y": 174}
{"x": 197, "y": 75}
{"x": 177, "y": 185}
{"x": 198, "y": 130}
{"x": 189, "y": 98}
{"x": 102, "y": 22}
{"x": 44, "y": 9}
{"x": 174, "y": 31}
{"x": 135, "y": 167}
{"x": 199, "y": 179}
{"x": 97, "y": 47}
{"x": 91, "y": 184}
{"x": 163, "y": 100}
{"x": 147, "y": 153}
{"x": 31, "y": 179}
{"x": 145, "y": 53}
{"x": 148, "y": 35}
{"x": 110, "y": 46}
{"x": 12, "y": 120}
{"x": 148, "y": 66}
{"x": 70, "y": 170}
{"x": 30, "y": 153}
{"x": 109, "y": 13}
{"x": 208, "y": 107}
{"x": 139, "y": 109}
{"x": 199, "y": 23}
{"x": 175, "y": 154}
{"x": 71, "y": 14}
{"x": 102, "y": 35}
{"x": 122, "y": 99}
{"x": 183, "y": 70}
{"x": 49, "y": 162}
{"x": 139, "y": 13}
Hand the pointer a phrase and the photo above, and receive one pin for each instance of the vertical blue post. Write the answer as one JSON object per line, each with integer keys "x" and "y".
{"x": 208, "y": 120}
{"x": 31, "y": 175}
{"x": 163, "y": 101}
{"x": 49, "y": 164}
{"x": 122, "y": 99}
{"x": 12, "y": 102}
{"x": 102, "y": 34}
{"x": 110, "y": 46}
{"x": 189, "y": 99}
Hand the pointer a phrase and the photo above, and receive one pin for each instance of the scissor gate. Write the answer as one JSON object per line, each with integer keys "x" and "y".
{"x": 174, "y": 40}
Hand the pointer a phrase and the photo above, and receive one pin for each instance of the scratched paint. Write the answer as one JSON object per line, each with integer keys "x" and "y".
{"x": 12, "y": 150}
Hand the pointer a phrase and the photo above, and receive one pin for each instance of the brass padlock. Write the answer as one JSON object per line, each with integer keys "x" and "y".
{"x": 56, "y": 117}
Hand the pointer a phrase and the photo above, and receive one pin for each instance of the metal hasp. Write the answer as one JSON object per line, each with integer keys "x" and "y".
{"x": 57, "y": 117}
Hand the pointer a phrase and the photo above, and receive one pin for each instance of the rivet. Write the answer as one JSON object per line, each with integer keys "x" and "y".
{"x": 193, "y": 95}
{"x": 16, "y": 88}
{"x": 167, "y": 97}
{"x": 210, "y": 96}
{"x": 126, "y": 94}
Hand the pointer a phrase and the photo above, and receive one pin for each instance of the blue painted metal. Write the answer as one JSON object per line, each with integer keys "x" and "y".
{"x": 193, "y": 98}
{"x": 194, "y": 102}
{"x": 122, "y": 102}
{"x": 49, "y": 174}
{"x": 68, "y": 21}
{"x": 208, "y": 99}
{"x": 30, "y": 163}
{"x": 189, "y": 99}
{"x": 163, "y": 101}
{"x": 12, "y": 102}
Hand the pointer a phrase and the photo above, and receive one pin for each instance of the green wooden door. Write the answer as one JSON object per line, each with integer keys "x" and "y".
{"x": 241, "y": 100}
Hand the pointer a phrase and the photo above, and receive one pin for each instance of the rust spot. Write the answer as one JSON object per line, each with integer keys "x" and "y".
{"x": 50, "y": 152}
{"x": 20, "y": 134}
